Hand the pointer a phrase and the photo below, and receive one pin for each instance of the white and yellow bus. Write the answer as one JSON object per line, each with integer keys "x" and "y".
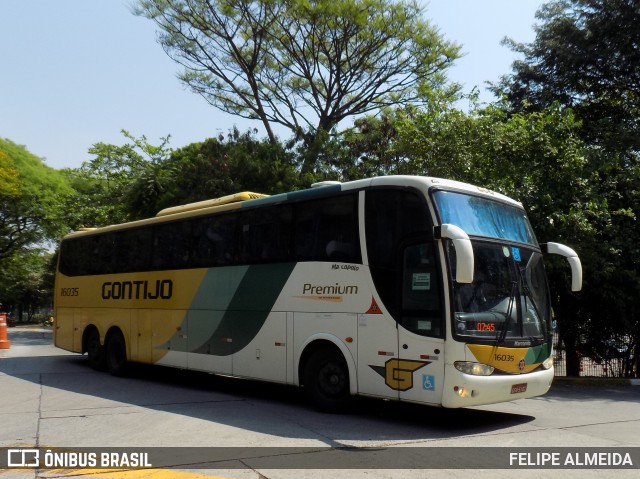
{"x": 410, "y": 288}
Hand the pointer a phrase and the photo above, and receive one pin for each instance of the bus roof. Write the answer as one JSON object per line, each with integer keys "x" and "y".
{"x": 234, "y": 201}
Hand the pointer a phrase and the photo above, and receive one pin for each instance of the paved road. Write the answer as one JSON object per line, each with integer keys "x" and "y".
{"x": 52, "y": 399}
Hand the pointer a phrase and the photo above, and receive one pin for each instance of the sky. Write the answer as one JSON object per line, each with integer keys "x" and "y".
{"x": 74, "y": 73}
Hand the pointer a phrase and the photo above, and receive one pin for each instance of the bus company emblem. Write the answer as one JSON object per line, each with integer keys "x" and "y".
{"x": 398, "y": 373}
{"x": 521, "y": 365}
{"x": 160, "y": 289}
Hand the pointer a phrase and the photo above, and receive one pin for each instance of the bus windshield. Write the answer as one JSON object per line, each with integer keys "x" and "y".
{"x": 479, "y": 216}
{"x": 508, "y": 299}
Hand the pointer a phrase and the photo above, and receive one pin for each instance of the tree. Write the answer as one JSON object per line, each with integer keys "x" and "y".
{"x": 26, "y": 286}
{"x": 151, "y": 177}
{"x": 305, "y": 65}
{"x": 225, "y": 165}
{"x": 136, "y": 180}
{"x": 31, "y": 196}
{"x": 586, "y": 57}
{"x": 121, "y": 183}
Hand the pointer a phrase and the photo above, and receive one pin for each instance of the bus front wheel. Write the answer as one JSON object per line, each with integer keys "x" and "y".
{"x": 326, "y": 380}
{"x": 116, "y": 354}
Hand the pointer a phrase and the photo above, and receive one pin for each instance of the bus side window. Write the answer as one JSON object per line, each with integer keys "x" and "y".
{"x": 327, "y": 230}
{"x": 170, "y": 246}
{"x": 421, "y": 310}
{"x": 215, "y": 240}
{"x": 265, "y": 235}
{"x": 132, "y": 250}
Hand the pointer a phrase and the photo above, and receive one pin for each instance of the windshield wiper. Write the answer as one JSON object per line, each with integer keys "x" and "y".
{"x": 529, "y": 297}
{"x": 502, "y": 334}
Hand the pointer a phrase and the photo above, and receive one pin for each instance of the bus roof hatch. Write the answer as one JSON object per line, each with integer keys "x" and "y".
{"x": 224, "y": 200}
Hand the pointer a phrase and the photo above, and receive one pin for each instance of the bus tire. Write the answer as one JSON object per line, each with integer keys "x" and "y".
{"x": 117, "y": 354}
{"x": 326, "y": 381}
{"x": 95, "y": 351}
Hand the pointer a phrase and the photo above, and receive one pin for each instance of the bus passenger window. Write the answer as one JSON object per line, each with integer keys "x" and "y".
{"x": 170, "y": 246}
{"x": 265, "y": 235}
{"x": 327, "y": 230}
{"x": 216, "y": 240}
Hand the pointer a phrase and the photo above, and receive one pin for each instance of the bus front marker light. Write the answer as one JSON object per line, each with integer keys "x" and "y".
{"x": 474, "y": 369}
{"x": 548, "y": 363}
{"x": 462, "y": 392}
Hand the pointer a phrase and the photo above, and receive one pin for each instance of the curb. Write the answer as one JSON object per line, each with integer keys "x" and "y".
{"x": 593, "y": 381}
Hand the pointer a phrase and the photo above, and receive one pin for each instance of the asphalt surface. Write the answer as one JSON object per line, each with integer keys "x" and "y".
{"x": 52, "y": 400}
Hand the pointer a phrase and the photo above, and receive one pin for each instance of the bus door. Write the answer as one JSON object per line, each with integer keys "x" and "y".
{"x": 377, "y": 353}
{"x": 420, "y": 366}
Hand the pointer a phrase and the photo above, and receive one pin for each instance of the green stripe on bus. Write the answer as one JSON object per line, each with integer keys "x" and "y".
{"x": 538, "y": 354}
{"x": 250, "y": 306}
{"x": 208, "y": 307}
{"x": 230, "y": 307}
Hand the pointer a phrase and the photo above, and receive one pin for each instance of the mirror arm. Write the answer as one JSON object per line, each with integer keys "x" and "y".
{"x": 572, "y": 258}
{"x": 464, "y": 250}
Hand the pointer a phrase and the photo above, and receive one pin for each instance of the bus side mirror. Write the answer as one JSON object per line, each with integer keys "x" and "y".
{"x": 464, "y": 250}
{"x": 572, "y": 258}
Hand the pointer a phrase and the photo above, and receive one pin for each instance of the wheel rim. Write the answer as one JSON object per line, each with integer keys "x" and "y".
{"x": 332, "y": 379}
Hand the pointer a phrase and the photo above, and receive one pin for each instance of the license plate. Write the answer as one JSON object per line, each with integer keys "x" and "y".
{"x": 518, "y": 388}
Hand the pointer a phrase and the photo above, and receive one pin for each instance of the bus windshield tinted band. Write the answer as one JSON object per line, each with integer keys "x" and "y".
{"x": 484, "y": 217}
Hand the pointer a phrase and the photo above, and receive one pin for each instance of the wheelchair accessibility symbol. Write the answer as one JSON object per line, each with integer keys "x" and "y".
{"x": 428, "y": 382}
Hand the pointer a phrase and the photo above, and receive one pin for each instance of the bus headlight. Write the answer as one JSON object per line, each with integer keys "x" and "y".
{"x": 548, "y": 363}
{"x": 475, "y": 369}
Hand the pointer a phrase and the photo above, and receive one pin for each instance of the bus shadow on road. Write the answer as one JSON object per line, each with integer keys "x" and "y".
{"x": 266, "y": 408}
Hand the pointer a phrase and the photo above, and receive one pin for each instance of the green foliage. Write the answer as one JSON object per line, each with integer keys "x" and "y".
{"x": 151, "y": 177}
{"x": 305, "y": 65}
{"x": 121, "y": 183}
{"x": 30, "y": 199}
{"x": 371, "y": 148}
{"x": 27, "y": 282}
{"x": 136, "y": 180}
{"x": 585, "y": 57}
{"x": 535, "y": 157}
{"x": 10, "y": 184}
{"x": 222, "y": 166}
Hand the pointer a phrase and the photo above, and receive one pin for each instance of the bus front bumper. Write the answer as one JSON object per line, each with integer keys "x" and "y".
{"x": 463, "y": 390}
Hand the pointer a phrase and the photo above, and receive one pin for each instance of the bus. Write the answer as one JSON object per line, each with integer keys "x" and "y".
{"x": 405, "y": 288}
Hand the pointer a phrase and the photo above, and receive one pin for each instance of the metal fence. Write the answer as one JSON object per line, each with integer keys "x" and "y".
{"x": 613, "y": 360}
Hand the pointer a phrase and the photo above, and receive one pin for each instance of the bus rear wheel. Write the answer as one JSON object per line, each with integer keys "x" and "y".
{"x": 116, "y": 354}
{"x": 326, "y": 381}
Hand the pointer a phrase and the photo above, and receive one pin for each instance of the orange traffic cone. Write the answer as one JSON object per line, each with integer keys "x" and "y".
{"x": 4, "y": 342}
